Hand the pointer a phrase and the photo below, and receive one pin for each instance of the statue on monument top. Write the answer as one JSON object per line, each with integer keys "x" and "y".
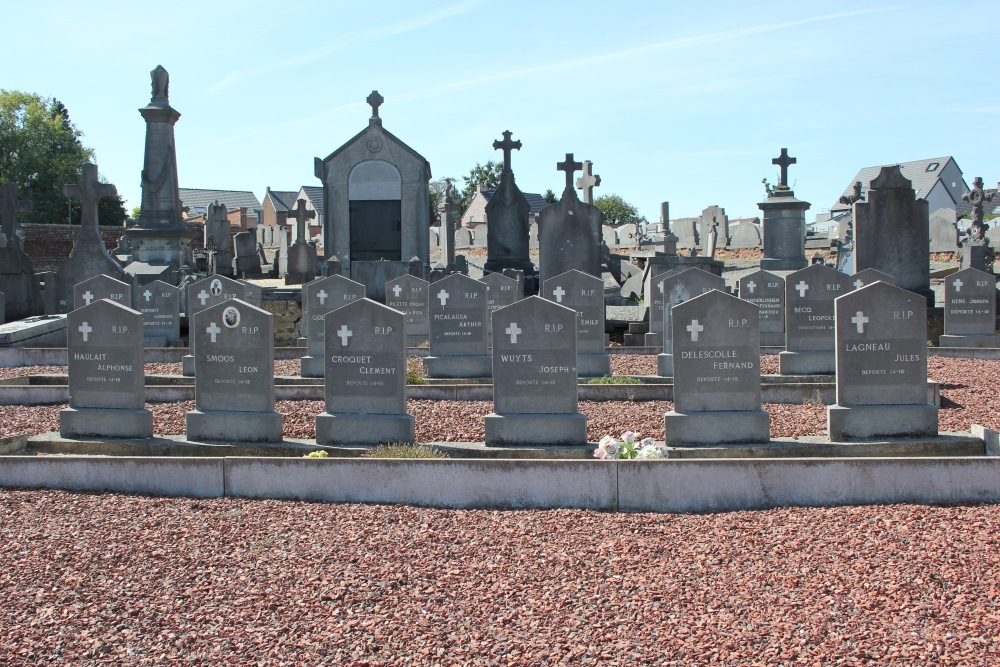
{"x": 160, "y": 83}
{"x": 850, "y": 199}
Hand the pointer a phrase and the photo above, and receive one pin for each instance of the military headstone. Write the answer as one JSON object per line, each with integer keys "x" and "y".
{"x": 653, "y": 293}
{"x": 101, "y": 287}
{"x": 584, "y": 294}
{"x": 970, "y": 310}
{"x": 869, "y": 276}
{"x": 534, "y": 376}
{"x": 716, "y": 359}
{"x": 678, "y": 288}
{"x": 234, "y": 375}
{"x": 409, "y": 295}
{"x": 881, "y": 366}
{"x": 767, "y": 291}
{"x": 366, "y": 376}
{"x": 319, "y": 297}
{"x": 106, "y": 374}
{"x": 809, "y": 324}
{"x": 17, "y": 275}
{"x": 208, "y": 292}
{"x": 458, "y": 342}
{"x": 569, "y": 231}
{"x": 160, "y": 305}
{"x": 500, "y": 291}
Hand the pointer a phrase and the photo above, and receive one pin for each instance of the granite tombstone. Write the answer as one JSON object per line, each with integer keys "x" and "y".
{"x": 105, "y": 374}
{"x": 500, "y": 291}
{"x": 217, "y": 239}
{"x": 767, "y": 291}
{"x": 319, "y": 297}
{"x": 783, "y": 223}
{"x": 970, "y": 310}
{"x": 160, "y": 305}
{"x": 209, "y": 292}
{"x": 458, "y": 341}
{"x": 678, "y": 288}
{"x": 507, "y": 231}
{"x": 869, "y": 276}
{"x": 584, "y": 294}
{"x": 409, "y": 294}
{"x": 17, "y": 274}
{"x": 101, "y": 287}
{"x": 569, "y": 231}
{"x": 809, "y": 325}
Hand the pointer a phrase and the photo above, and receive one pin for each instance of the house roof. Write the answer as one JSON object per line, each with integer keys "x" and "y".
{"x": 536, "y": 202}
{"x": 385, "y": 133}
{"x": 282, "y": 199}
{"x": 233, "y": 199}
{"x": 315, "y": 195}
{"x": 921, "y": 173}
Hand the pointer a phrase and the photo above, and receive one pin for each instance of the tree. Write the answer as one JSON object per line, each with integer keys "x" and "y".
{"x": 40, "y": 151}
{"x": 487, "y": 175}
{"x": 436, "y": 190}
{"x": 617, "y": 211}
{"x": 550, "y": 197}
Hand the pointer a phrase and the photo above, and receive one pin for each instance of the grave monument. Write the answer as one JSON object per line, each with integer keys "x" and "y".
{"x": 810, "y": 342}
{"x": 970, "y": 310}
{"x": 976, "y": 250}
{"x": 584, "y": 294}
{"x": 301, "y": 254}
{"x": 319, "y": 297}
{"x": 569, "y": 231}
{"x": 409, "y": 295}
{"x": 783, "y": 223}
{"x": 676, "y": 289}
{"x": 458, "y": 342}
{"x": 767, "y": 291}
{"x": 501, "y": 291}
{"x": 101, "y": 287}
{"x": 160, "y": 305}
{"x": 507, "y": 231}
{"x": 587, "y": 182}
{"x": 17, "y": 275}
{"x": 217, "y": 240}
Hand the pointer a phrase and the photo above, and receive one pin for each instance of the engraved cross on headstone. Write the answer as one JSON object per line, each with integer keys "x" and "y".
{"x": 397, "y": 290}
{"x": 751, "y": 285}
{"x": 375, "y": 100}
{"x": 88, "y": 296}
{"x": 213, "y": 330}
{"x": 443, "y": 297}
{"x": 85, "y": 329}
{"x": 802, "y": 287}
{"x": 89, "y": 191}
{"x": 958, "y": 284}
{"x": 506, "y": 146}
{"x": 694, "y": 329}
{"x": 513, "y": 330}
{"x": 301, "y": 214}
{"x": 559, "y": 293}
{"x": 344, "y": 334}
{"x": 203, "y": 296}
{"x": 859, "y": 320}
{"x": 588, "y": 181}
{"x": 570, "y": 167}
{"x": 10, "y": 206}
{"x": 321, "y": 295}
{"x": 783, "y": 161}
{"x": 148, "y": 295}
{"x": 859, "y": 283}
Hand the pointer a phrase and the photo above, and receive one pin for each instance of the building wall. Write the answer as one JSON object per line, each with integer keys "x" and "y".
{"x": 476, "y": 213}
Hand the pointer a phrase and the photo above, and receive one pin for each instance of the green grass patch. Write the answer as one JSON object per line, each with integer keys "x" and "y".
{"x": 615, "y": 379}
{"x": 403, "y": 451}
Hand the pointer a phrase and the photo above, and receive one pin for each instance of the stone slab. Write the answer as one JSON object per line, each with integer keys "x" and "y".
{"x": 364, "y": 429}
{"x": 951, "y": 445}
{"x": 705, "y": 428}
{"x": 233, "y": 427}
{"x": 872, "y": 421}
{"x": 104, "y": 423}
{"x": 511, "y": 430}
{"x": 807, "y": 362}
{"x": 472, "y": 366}
{"x": 969, "y": 341}
{"x": 593, "y": 365}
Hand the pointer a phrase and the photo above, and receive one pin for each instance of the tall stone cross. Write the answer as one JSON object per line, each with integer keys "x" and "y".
{"x": 783, "y": 161}
{"x": 301, "y": 214}
{"x": 588, "y": 181}
{"x": 506, "y": 146}
{"x": 89, "y": 191}
{"x": 10, "y": 206}
{"x": 570, "y": 167}
{"x": 375, "y": 100}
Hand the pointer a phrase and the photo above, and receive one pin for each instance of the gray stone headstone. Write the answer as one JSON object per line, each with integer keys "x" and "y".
{"x": 17, "y": 275}
{"x": 881, "y": 365}
{"x": 970, "y": 310}
{"x": 767, "y": 291}
{"x": 409, "y": 295}
{"x": 744, "y": 235}
{"x": 628, "y": 236}
{"x": 500, "y": 291}
{"x": 105, "y": 373}
{"x": 891, "y": 232}
{"x": 517, "y": 275}
{"x": 247, "y": 258}
{"x": 216, "y": 237}
{"x": 569, "y": 231}
{"x": 869, "y": 276}
{"x": 686, "y": 230}
{"x": 101, "y": 287}
{"x": 213, "y": 290}
{"x": 457, "y": 319}
{"x": 463, "y": 238}
{"x": 234, "y": 375}
{"x": 943, "y": 231}
{"x": 610, "y": 236}
{"x": 584, "y": 294}
{"x": 534, "y": 373}
{"x": 366, "y": 376}
{"x": 713, "y": 215}
{"x": 508, "y": 214}
{"x": 319, "y": 297}
{"x": 809, "y": 322}
{"x": 678, "y": 288}
{"x": 375, "y": 274}
{"x": 160, "y": 305}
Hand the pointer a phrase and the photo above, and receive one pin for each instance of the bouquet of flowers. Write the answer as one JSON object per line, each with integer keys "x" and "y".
{"x": 629, "y": 446}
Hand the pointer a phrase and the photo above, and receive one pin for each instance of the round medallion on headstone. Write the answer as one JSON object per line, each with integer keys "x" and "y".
{"x": 374, "y": 144}
{"x": 231, "y": 317}
{"x": 216, "y": 287}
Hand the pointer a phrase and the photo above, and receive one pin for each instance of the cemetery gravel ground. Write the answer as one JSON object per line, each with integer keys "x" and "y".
{"x": 968, "y": 396}
{"x": 99, "y": 579}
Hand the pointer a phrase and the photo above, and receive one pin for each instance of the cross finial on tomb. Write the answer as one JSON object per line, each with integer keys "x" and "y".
{"x": 89, "y": 191}
{"x": 375, "y": 100}
{"x": 588, "y": 181}
{"x": 570, "y": 167}
{"x": 783, "y": 161}
{"x": 506, "y": 146}
{"x": 301, "y": 214}
{"x": 10, "y": 206}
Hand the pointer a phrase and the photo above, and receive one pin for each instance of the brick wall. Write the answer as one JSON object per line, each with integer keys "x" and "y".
{"x": 49, "y": 246}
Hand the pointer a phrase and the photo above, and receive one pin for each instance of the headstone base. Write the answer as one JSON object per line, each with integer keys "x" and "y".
{"x": 233, "y": 427}
{"x": 187, "y": 365}
{"x": 969, "y": 341}
{"x": 512, "y": 430}
{"x": 312, "y": 367}
{"x": 975, "y": 257}
{"x": 871, "y": 421}
{"x": 778, "y": 264}
{"x": 364, "y": 429}
{"x": 772, "y": 339}
{"x": 593, "y": 365}
{"x": 665, "y": 365}
{"x": 301, "y": 341}
{"x": 298, "y": 278}
{"x": 475, "y": 366}
{"x": 416, "y": 340}
{"x": 712, "y": 428}
{"x": 104, "y": 423}
{"x": 807, "y": 363}
{"x": 653, "y": 339}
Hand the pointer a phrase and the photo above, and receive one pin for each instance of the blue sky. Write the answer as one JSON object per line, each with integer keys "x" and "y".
{"x": 685, "y": 102}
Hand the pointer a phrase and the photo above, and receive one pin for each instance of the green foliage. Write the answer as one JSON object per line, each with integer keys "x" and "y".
{"x": 40, "y": 151}
{"x": 318, "y": 454}
{"x": 486, "y": 175}
{"x": 135, "y": 213}
{"x": 398, "y": 450}
{"x": 615, "y": 379}
{"x": 436, "y": 189}
{"x": 414, "y": 370}
{"x": 550, "y": 196}
{"x": 617, "y": 211}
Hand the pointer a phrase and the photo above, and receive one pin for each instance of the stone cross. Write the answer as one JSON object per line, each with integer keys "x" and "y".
{"x": 321, "y": 295}
{"x": 783, "y": 161}
{"x": 344, "y": 334}
{"x": 802, "y": 288}
{"x": 750, "y": 286}
{"x": 513, "y": 330}
{"x": 397, "y": 290}
{"x": 850, "y": 199}
{"x": 977, "y": 197}
{"x": 213, "y": 330}
{"x": 588, "y": 181}
{"x": 89, "y": 191}
{"x": 859, "y": 283}
{"x": 375, "y": 100}
{"x": 694, "y": 329}
{"x": 443, "y": 296}
{"x": 148, "y": 295}
{"x": 88, "y": 296}
{"x": 506, "y": 146}
{"x": 10, "y": 206}
{"x": 203, "y": 296}
{"x": 559, "y": 293}
{"x": 301, "y": 214}
{"x": 570, "y": 167}
{"x": 958, "y": 285}
{"x": 85, "y": 329}
{"x": 859, "y": 320}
